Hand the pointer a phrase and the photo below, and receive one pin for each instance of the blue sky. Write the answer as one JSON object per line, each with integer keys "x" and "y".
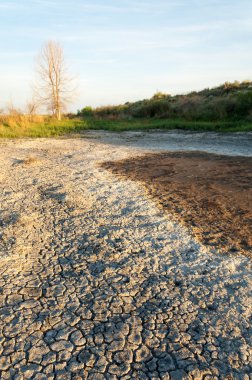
{"x": 126, "y": 50}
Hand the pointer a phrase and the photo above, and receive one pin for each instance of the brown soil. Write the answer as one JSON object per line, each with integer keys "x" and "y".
{"x": 212, "y": 194}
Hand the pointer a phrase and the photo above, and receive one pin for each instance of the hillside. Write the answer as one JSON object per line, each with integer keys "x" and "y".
{"x": 227, "y": 102}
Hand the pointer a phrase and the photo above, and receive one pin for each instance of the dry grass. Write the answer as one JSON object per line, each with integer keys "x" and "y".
{"x": 17, "y": 119}
{"x": 17, "y": 125}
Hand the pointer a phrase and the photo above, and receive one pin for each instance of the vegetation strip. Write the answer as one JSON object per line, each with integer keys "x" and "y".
{"x": 11, "y": 128}
{"x": 227, "y": 108}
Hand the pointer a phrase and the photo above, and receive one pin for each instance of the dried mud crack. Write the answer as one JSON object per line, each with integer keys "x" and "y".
{"x": 97, "y": 282}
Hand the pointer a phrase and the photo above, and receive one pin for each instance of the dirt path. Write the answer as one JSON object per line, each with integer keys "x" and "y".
{"x": 97, "y": 282}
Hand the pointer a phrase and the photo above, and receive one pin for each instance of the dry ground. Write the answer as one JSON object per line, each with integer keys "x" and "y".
{"x": 209, "y": 193}
{"x": 98, "y": 282}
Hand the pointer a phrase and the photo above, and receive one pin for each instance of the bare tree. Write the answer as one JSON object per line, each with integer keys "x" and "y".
{"x": 53, "y": 87}
{"x": 32, "y": 106}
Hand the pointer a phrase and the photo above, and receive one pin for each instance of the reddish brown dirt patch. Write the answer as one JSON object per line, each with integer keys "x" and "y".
{"x": 212, "y": 194}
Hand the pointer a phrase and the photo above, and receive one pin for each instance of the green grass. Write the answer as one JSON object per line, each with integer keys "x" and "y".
{"x": 149, "y": 124}
{"x": 50, "y": 128}
{"x": 54, "y": 128}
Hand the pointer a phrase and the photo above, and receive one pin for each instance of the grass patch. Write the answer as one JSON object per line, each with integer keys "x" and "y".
{"x": 49, "y": 128}
{"x": 53, "y": 128}
{"x": 149, "y": 124}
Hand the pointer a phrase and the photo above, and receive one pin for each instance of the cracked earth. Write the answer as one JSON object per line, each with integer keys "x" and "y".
{"x": 96, "y": 282}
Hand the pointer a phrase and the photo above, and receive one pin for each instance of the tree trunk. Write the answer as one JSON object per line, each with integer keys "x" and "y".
{"x": 58, "y": 114}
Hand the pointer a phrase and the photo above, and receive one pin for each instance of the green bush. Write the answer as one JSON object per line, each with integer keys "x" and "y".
{"x": 228, "y": 102}
{"x": 85, "y": 112}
